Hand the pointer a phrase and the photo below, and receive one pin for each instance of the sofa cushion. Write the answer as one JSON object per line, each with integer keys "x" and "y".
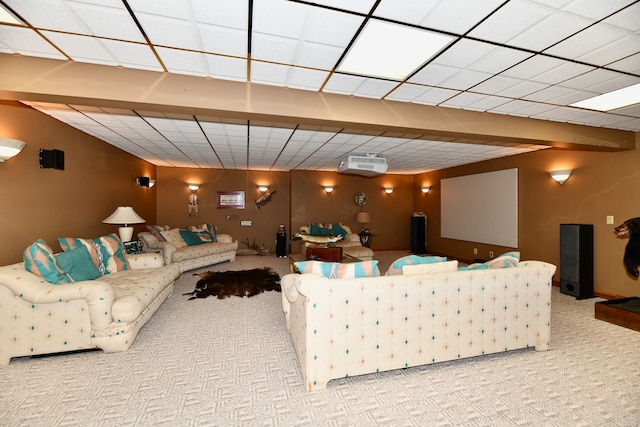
{"x": 436, "y": 267}
{"x": 173, "y": 236}
{"x": 396, "y": 267}
{"x": 136, "y": 289}
{"x": 506, "y": 260}
{"x": 191, "y": 238}
{"x": 156, "y": 230}
{"x": 77, "y": 264}
{"x": 207, "y": 232}
{"x": 107, "y": 252}
{"x": 39, "y": 260}
{"x": 327, "y": 229}
{"x": 476, "y": 266}
{"x": 192, "y": 252}
{"x": 337, "y": 270}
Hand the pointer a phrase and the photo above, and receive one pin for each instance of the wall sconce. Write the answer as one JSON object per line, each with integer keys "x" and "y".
{"x": 425, "y": 189}
{"x": 145, "y": 181}
{"x": 328, "y": 188}
{"x": 388, "y": 190}
{"x": 193, "y": 187}
{"x": 9, "y": 148}
{"x": 560, "y": 176}
{"x": 263, "y": 188}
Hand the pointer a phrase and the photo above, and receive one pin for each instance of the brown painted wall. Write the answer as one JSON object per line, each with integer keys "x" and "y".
{"x": 98, "y": 177}
{"x": 390, "y": 214}
{"x": 601, "y": 184}
{"x": 173, "y": 196}
{"x": 48, "y": 203}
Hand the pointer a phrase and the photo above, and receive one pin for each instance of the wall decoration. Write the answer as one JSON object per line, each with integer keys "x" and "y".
{"x": 264, "y": 199}
{"x": 360, "y": 198}
{"x": 231, "y": 199}
{"x": 193, "y": 204}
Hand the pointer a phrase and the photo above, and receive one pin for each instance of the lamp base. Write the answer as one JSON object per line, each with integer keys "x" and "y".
{"x": 126, "y": 233}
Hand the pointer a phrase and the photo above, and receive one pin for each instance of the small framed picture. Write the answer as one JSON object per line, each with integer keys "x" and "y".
{"x": 132, "y": 247}
{"x": 231, "y": 199}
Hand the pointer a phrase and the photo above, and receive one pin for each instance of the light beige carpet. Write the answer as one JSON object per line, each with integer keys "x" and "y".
{"x": 210, "y": 362}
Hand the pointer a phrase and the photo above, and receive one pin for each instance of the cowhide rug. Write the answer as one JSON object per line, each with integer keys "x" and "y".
{"x": 244, "y": 283}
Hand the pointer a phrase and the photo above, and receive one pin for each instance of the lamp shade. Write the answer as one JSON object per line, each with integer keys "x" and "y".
{"x": 124, "y": 215}
{"x": 363, "y": 218}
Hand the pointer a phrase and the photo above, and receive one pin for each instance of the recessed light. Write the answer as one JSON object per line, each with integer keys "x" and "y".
{"x": 390, "y": 50}
{"x": 612, "y": 100}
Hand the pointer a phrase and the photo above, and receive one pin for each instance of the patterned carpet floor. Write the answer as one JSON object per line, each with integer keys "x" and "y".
{"x": 210, "y": 362}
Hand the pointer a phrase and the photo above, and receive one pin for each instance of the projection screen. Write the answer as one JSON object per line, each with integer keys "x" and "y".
{"x": 481, "y": 208}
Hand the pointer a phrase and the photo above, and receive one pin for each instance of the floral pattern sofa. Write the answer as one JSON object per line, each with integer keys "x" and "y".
{"x": 343, "y": 327}
{"x": 38, "y": 317}
{"x": 189, "y": 248}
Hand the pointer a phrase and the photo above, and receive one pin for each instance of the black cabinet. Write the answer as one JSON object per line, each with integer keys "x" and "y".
{"x": 418, "y": 234}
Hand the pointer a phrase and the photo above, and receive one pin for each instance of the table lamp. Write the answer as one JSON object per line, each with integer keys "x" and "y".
{"x": 363, "y": 218}
{"x": 124, "y": 215}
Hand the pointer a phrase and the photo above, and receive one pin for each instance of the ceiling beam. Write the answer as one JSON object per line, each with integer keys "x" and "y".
{"x": 25, "y": 78}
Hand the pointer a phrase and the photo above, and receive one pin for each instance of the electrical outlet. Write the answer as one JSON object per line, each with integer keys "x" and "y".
{"x": 609, "y": 219}
{"x": 490, "y": 254}
{"x": 246, "y": 223}
{"x": 475, "y": 251}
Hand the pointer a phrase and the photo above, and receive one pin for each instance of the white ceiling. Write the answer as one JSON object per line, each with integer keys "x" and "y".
{"x": 526, "y": 58}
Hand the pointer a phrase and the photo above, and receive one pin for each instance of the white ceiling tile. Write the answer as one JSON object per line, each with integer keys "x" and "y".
{"x": 511, "y": 20}
{"x": 595, "y": 10}
{"x": 358, "y": 86}
{"x": 601, "y": 81}
{"x": 587, "y": 41}
{"x": 106, "y": 52}
{"x": 200, "y": 64}
{"x": 421, "y": 94}
{"x": 549, "y": 31}
{"x": 629, "y": 65}
{"x": 26, "y": 42}
{"x": 437, "y": 14}
{"x": 284, "y": 50}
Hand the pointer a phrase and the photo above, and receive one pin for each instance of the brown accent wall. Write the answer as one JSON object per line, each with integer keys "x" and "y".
{"x": 47, "y": 203}
{"x": 601, "y": 184}
{"x": 173, "y": 194}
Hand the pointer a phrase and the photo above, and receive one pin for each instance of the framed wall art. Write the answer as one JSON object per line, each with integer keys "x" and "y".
{"x": 231, "y": 199}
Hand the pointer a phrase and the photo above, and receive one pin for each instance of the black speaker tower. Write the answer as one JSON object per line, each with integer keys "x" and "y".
{"x": 576, "y": 260}
{"x": 418, "y": 234}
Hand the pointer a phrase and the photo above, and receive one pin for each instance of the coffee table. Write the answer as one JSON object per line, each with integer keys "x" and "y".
{"x": 293, "y": 258}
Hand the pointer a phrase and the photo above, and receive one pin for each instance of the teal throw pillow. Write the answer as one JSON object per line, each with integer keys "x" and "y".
{"x": 39, "y": 260}
{"x": 78, "y": 265}
{"x": 191, "y": 238}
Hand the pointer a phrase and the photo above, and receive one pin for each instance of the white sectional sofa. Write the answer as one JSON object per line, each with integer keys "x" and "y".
{"x": 37, "y": 317}
{"x": 191, "y": 257}
{"x": 352, "y": 326}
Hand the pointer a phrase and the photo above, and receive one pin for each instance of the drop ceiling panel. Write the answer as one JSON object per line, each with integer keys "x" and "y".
{"x": 26, "y": 42}
{"x": 297, "y": 44}
{"x": 438, "y": 14}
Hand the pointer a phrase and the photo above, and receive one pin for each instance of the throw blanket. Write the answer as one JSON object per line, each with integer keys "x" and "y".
{"x": 244, "y": 283}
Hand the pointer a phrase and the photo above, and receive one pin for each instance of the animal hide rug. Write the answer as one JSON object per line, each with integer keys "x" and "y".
{"x": 244, "y": 283}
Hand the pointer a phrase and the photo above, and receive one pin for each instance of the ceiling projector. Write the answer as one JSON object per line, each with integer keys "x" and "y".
{"x": 366, "y": 165}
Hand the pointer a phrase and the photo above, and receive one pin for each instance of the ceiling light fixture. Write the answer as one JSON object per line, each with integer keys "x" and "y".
{"x": 560, "y": 176}
{"x": 613, "y": 100}
{"x": 9, "y": 148}
{"x": 388, "y": 50}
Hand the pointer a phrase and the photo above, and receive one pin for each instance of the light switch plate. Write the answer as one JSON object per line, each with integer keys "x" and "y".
{"x": 609, "y": 219}
{"x": 246, "y": 223}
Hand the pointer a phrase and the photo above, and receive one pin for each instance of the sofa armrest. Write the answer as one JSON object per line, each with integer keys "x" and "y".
{"x": 151, "y": 244}
{"x": 225, "y": 238}
{"x": 145, "y": 260}
{"x": 35, "y": 290}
